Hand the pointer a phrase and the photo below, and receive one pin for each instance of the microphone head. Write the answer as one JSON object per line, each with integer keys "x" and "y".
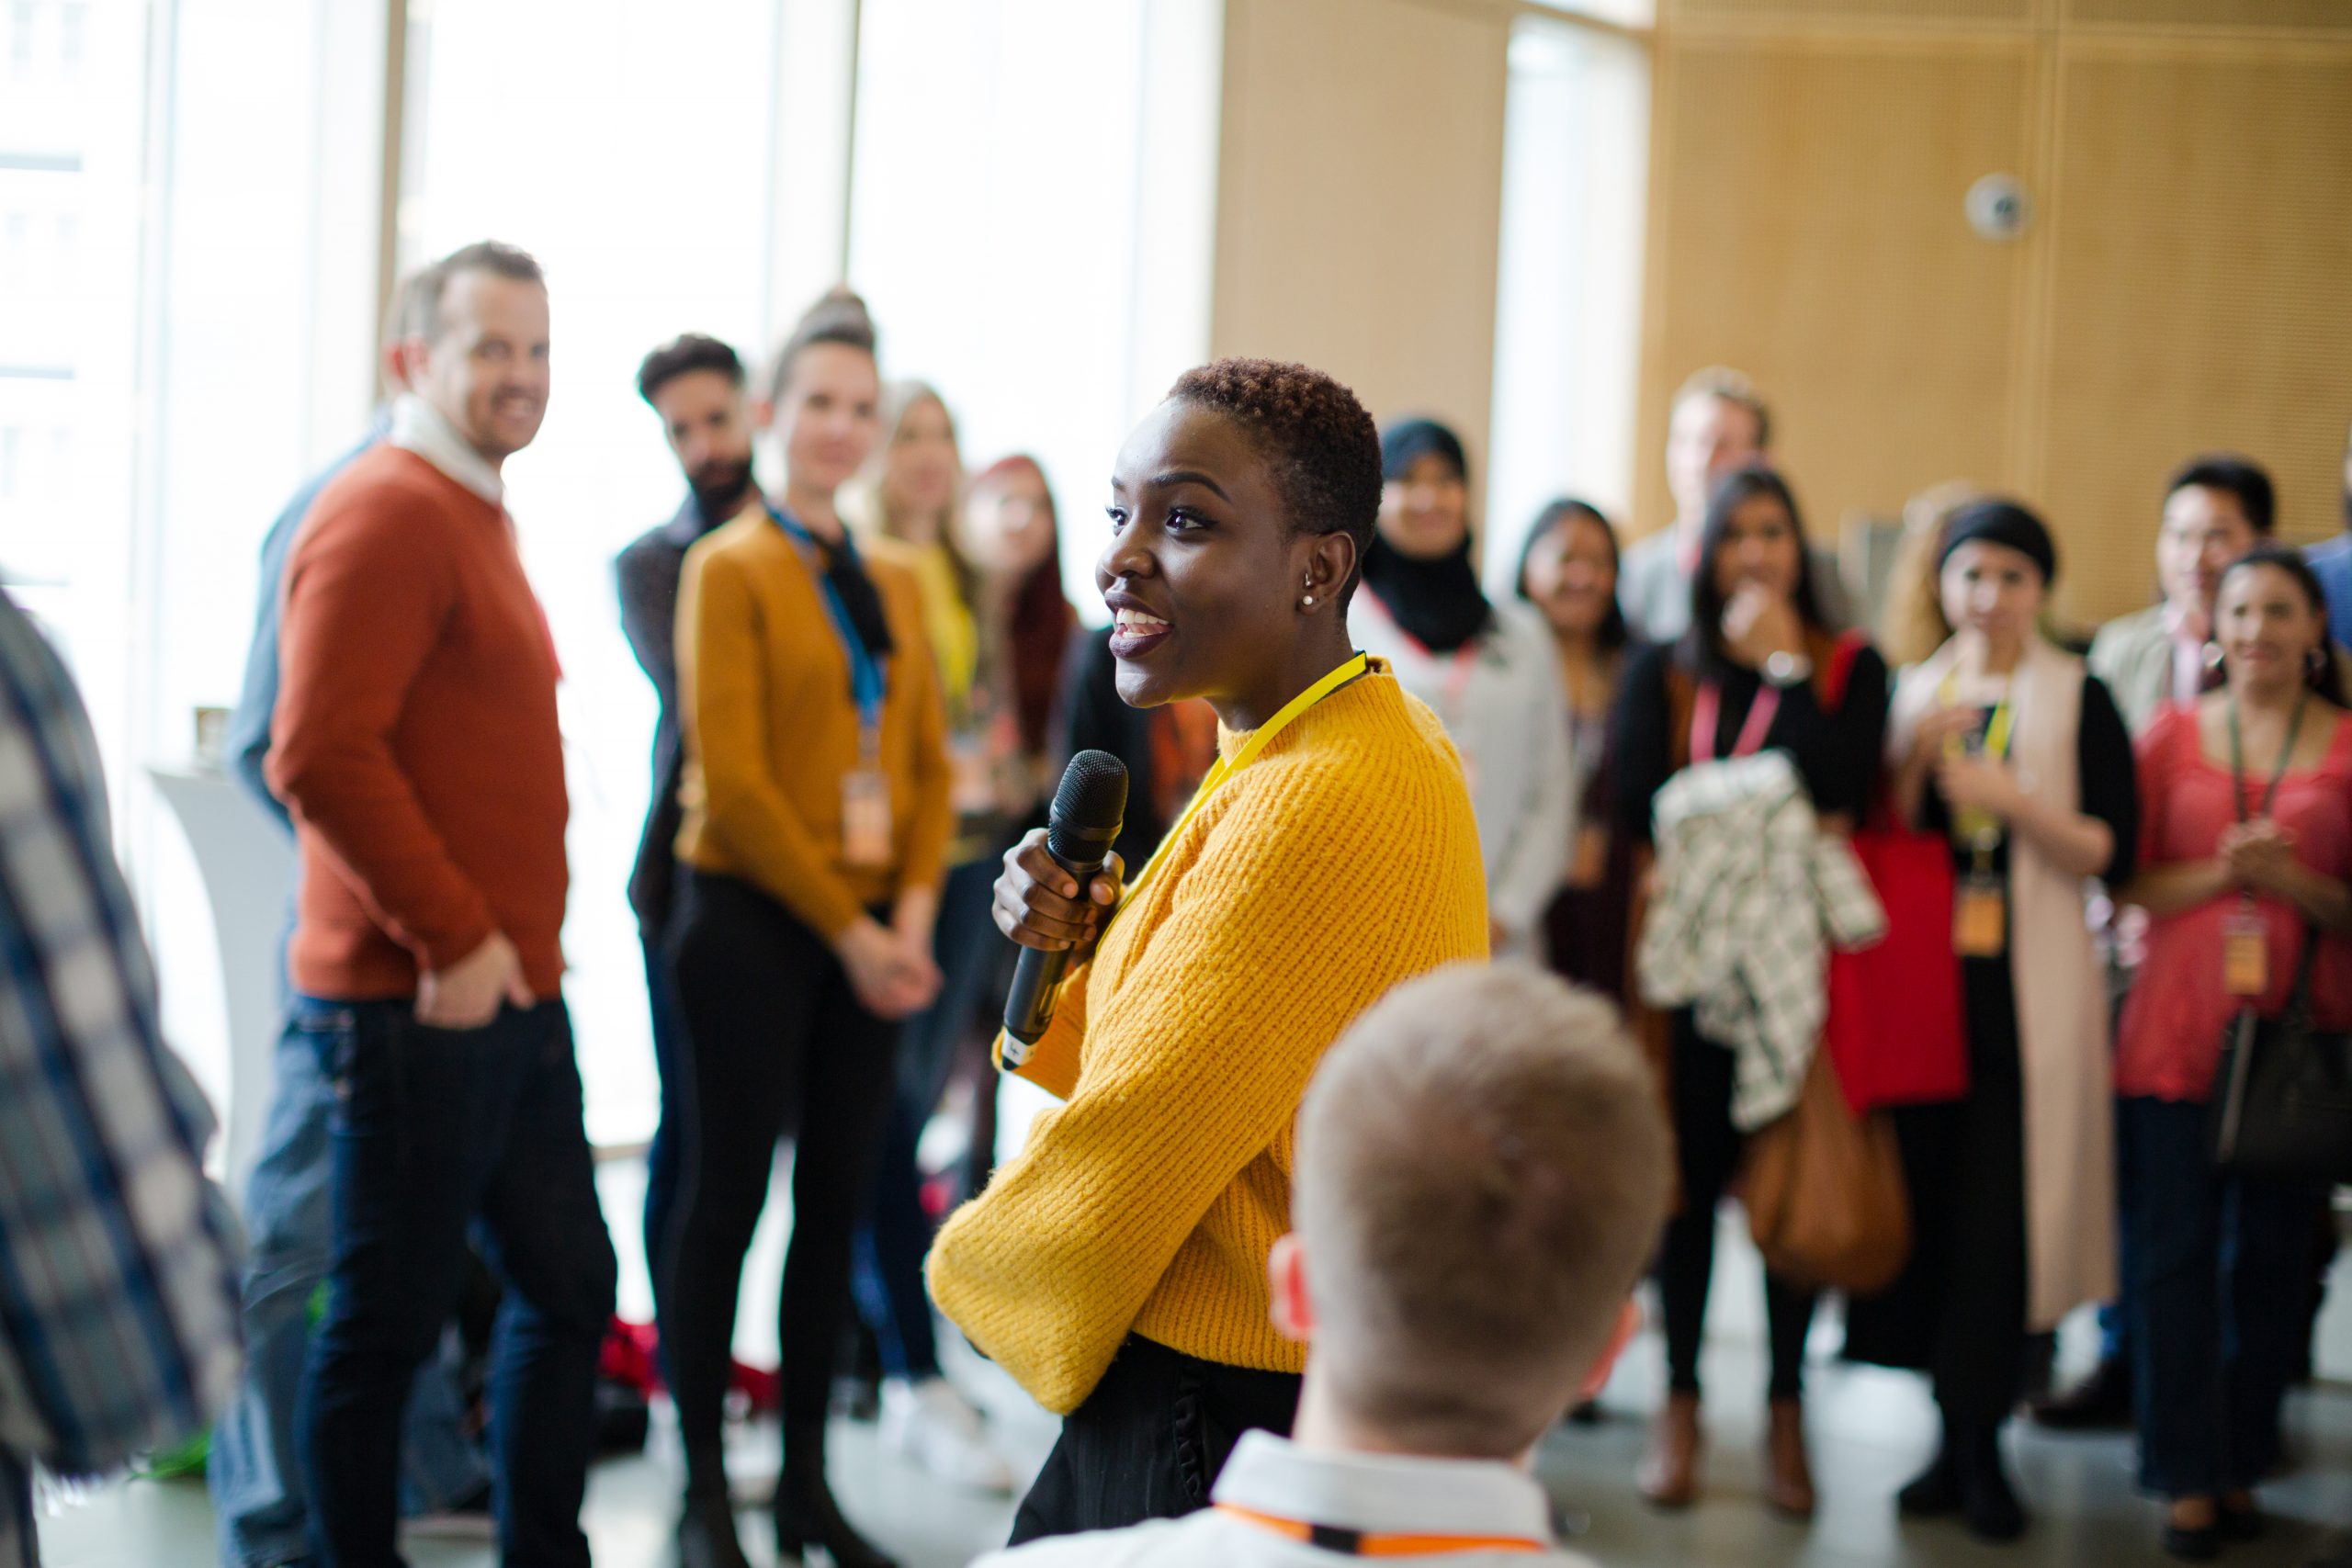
{"x": 1088, "y": 808}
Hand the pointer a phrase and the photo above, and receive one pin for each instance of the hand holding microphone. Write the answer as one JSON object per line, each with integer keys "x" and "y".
{"x": 1038, "y": 903}
{"x": 1059, "y": 887}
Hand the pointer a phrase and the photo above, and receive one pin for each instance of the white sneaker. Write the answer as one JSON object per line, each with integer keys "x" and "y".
{"x": 936, "y": 1428}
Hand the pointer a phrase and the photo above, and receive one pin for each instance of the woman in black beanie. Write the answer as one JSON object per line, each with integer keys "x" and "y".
{"x": 2003, "y": 743}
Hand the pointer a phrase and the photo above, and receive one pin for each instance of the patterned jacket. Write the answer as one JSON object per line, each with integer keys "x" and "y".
{"x": 1751, "y": 897}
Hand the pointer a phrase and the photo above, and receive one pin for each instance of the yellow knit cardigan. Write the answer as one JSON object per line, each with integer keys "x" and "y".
{"x": 1341, "y": 861}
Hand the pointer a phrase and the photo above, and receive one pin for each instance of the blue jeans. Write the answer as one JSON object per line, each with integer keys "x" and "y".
{"x": 259, "y": 1501}
{"x": 2220, "y": 1301}
{"x": 434, "y": 1130}
{"x": 887, "y": 1252}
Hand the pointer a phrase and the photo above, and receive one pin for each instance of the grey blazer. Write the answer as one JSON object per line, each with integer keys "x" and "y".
{"x": 2132, "y": 655}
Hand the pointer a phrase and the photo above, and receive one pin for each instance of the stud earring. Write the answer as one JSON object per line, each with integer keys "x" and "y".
{"x": 1308, "y": 601}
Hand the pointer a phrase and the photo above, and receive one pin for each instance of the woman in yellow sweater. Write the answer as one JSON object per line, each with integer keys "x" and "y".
{"x": 815, "y": 822}
{"x": 1117, "y": 1265}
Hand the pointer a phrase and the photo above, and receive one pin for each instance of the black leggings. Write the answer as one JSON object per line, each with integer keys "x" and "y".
{"x": 776, "y": 1043}
{"x": 1707, "y": 1149}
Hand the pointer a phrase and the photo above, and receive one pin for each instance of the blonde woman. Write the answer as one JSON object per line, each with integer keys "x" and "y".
{"x": 1911, "y": 624}
{"x": 907, "y": 508}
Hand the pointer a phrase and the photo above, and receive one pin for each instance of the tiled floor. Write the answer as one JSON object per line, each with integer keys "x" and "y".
{"x": 1871, "y": 1430}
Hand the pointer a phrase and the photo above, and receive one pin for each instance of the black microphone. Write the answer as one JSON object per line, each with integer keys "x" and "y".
{"x": 1084, "y": 824}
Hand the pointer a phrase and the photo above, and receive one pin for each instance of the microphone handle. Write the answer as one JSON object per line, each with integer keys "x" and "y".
{"x": 1038, "y": 978}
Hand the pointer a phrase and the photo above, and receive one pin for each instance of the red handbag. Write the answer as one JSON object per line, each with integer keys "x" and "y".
{"x": 1896, "y": 1031}
{"x": 1895, "y": 1034}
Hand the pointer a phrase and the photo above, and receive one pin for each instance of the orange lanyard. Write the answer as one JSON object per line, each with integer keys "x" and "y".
{"x": 1362, "y": 1543}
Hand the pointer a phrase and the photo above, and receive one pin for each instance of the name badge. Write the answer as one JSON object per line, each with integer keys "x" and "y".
{"x": 1979, "y": 916}
{"x": 2245, "y": 952}
{"x": 865, "y": 819}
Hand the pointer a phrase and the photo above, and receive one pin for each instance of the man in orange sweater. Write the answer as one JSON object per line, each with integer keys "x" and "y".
{"x": 415, "y": 743}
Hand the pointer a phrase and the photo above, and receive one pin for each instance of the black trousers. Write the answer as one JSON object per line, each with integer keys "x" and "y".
{"x": 1148, "y": 1441}
{"x": 1958, "y": 1310}
{"x": 1706, "y": 1151}
{"x": 777, "y": 1044}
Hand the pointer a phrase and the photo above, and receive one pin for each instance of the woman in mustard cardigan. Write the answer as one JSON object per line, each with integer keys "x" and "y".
{"x": 816, "y": 823}
{"x": 1117, "y": 1265}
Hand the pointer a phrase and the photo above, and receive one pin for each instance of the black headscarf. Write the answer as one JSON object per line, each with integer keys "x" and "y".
{"x": 1437, "y": 602}
{"x": 2002, "y": 523}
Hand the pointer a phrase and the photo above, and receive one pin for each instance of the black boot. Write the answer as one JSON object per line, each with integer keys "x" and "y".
{"x": 1934, "y": 1491}
{"x": 707, "y": 1535}
{"x": 1987, "y": 1501}
{"x": 2100, "y": 1401}
{"x": 806, "y": 1514}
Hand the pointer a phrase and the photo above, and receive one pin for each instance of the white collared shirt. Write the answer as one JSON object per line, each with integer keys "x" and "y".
{"x": 2188, "y": 657}
{"x": 419, "y": 427}
{"x": 1368, "y": 1494}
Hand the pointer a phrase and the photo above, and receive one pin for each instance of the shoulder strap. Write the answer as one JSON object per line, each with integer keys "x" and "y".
{"x": 1833, "y": 665}
{"x": 1681, "y": 702}
{"x": 2298, "y": 1000}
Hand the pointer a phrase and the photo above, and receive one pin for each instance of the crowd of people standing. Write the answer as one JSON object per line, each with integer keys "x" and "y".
{"x": 1648, "y": 771}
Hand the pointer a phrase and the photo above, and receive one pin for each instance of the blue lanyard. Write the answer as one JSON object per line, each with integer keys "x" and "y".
{"x": 867, "y": 685}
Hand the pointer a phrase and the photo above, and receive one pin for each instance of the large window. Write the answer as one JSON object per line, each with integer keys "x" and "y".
{"x": 1000, "y": 229}
{"x": 626, "y": 146}
{"x": 1568, "y": 302}
{"x": 69, "y": 161}
{"x": 193, "y": 242}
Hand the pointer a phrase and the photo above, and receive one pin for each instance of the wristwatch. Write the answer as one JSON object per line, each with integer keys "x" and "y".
{"x": 1788, "y": 669}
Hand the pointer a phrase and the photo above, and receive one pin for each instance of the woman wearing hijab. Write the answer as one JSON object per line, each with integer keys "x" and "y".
{"x": 2009, "y": 747}
{"x": 1489, "y": 671}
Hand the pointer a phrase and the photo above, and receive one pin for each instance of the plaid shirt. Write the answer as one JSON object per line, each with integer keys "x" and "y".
{"x": 119, "y": 1295}
{"x": 1751, "y": 897}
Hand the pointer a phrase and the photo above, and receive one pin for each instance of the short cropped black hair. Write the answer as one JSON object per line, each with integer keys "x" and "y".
{"x": 690, "y": 351}
{"x": 1324, "y": 447}
{"x": 2235, "y": 476}
{"x": 422, "y": 304}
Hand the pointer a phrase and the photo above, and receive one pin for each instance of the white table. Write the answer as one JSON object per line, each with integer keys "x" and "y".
{"x": 247, "y": 863}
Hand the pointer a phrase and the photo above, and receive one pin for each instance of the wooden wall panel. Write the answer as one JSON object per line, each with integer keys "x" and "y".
{"x": 2200, "y": 293}
{"x": 1361, "y": 195}
{"x": 2240, "y": 16}
{"x": 1808, "y": 228}
{"x": 1687, "y": 12}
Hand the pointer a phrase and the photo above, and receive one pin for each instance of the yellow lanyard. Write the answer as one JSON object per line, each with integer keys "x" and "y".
{"x": 1979, "y": 830}
{"x": 1259, "y": 738}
